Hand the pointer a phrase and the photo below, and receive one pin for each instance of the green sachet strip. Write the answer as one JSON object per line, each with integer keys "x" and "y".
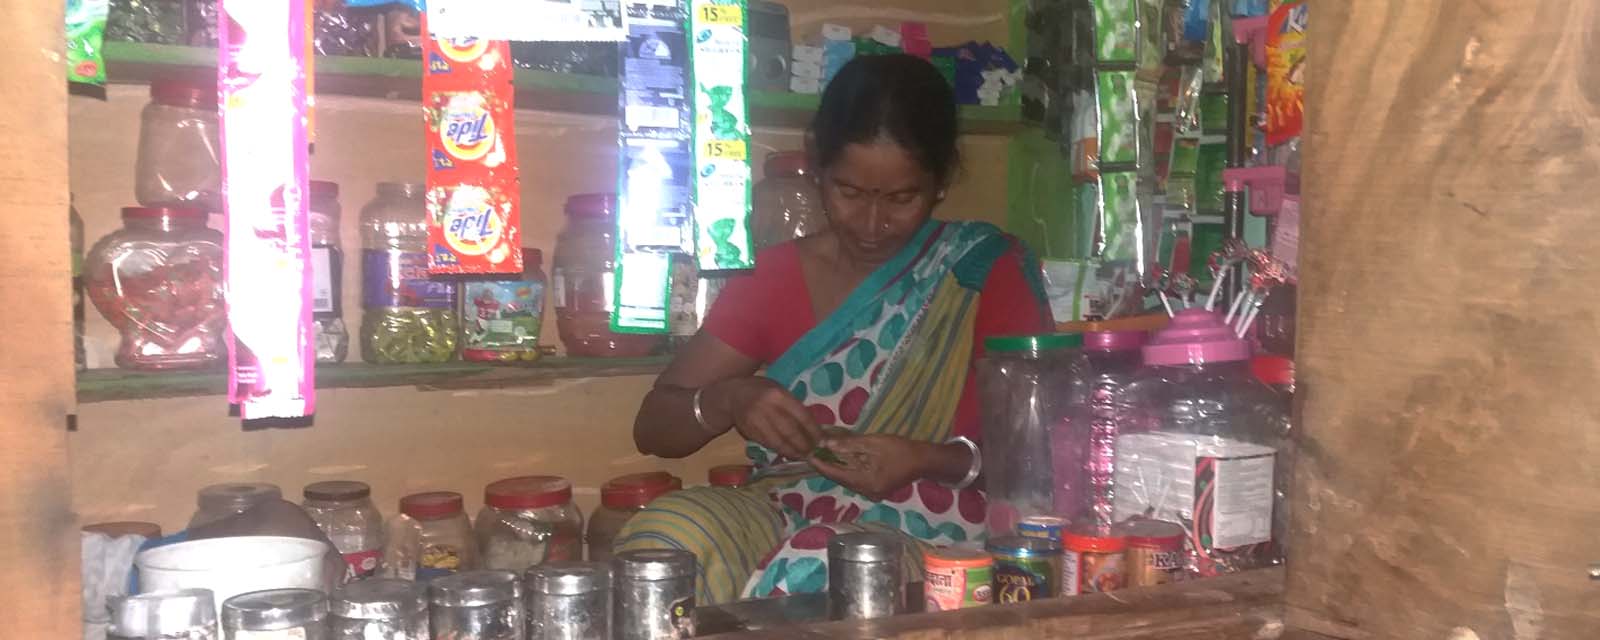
{"x": 1115, "y": 26}
{"x": 86, "y": 28}
{"x": 1119, "y": 119}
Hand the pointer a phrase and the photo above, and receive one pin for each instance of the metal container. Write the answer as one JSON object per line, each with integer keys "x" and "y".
{"x": 276, "y": 614}
{"x": 1025, "y": 568}
{"x": 569, "y": 601}
{"x": 864, "y": 576}
{"x": 188, "y": 614}
{"x": 654, "y": 596}
{"x": 477, "y": 605}
{"x": 379, "y": 609}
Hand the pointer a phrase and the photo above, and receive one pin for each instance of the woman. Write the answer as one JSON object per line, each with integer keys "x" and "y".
{"x": 867, "y": 332}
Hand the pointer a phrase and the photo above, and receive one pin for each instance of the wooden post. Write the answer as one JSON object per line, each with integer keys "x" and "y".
{"x": 1450, "y": 322}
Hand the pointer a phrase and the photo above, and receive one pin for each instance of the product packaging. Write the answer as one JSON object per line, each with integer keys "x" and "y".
{"x": 1115, "y": 28}
{"x": 722, "y": 134}
{"x": 1286, "y": 60}
{"x": 86, "y": 28}
{"x": 525, "y": 20}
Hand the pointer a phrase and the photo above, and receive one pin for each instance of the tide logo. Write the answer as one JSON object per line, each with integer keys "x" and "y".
{"x": 471, "y": 225}
{"x": 463, "y": 49}
{"x": 466, "y": 128}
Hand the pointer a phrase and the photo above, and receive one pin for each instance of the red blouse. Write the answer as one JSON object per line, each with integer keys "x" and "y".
{"x": 760, "y": 316}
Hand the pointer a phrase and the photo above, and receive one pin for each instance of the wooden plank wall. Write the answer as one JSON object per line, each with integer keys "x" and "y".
{"x": 1450, "y": 327}
{"x": 40, "y": 544}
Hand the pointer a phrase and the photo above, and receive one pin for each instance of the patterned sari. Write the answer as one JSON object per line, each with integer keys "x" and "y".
{"x": 893, "y": 359}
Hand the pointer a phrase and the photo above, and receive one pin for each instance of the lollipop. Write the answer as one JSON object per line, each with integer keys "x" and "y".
{"x": 1267, "y": 273}
{"x": 1158, "y": 280}
{"x": 1183, "y": 286}
{"x": 1232, "y": 253}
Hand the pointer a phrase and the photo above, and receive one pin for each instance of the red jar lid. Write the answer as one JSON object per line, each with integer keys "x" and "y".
{"x": 786, "y": 163}
{"x": 1277, "y": 371}
{"x": 324, "y": 190}
{"x": 531, "y": 258}
{"x": 592, "y": 205}
{"x": 180, "y": 93}
{"x": 1151, "y": 534}
{"x": 1092, "y": 541}
{"x": 432, "y": 505}
{"x": 155, "y": 213}
{"x": 729, "y": 475}
{"x": 636, "y": 490}
{"x": 528, "y": 492}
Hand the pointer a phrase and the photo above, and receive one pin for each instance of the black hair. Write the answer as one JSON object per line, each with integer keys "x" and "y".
{"x": 899, "y": 97}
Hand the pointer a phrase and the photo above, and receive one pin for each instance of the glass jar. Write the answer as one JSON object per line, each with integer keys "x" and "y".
{"x": 402, "y": 31}
{"x": 344, "y": 511}
{"x": 582, "y": 282}
{"x": 433, "y": 539}
{"x": 187, "y": 614}
{"x": 338, "y": 30}
{"x": 1196, "y": 412}
{"x": 1113, "y": 361}
{"x": 75, "y": 227}
{"x": 620, "y": 498}
{"x": 379, "y": 609}
{"x": 180, "y": 159}
{"x": 501, "y": 318}
{"x": 407, "y": 316}
{"x": 477, "y": 605}
{"x": 219, "y": 501}
{"x": 327, "y": 274}
{"x": 529, "y": 520}
{"x": 276, "y": 614}
{"x": 1030, "y": 389}
{"x": 158, "y": 280}
{"x": 786, "y": 203}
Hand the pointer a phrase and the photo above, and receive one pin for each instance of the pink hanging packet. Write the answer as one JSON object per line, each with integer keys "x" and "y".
{"x": 261, "y": 78}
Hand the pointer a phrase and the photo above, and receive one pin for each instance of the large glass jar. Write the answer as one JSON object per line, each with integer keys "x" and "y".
{"x": 620, "y": 498}
{"x": 432, "y": 539}
{"x": 501, "y": 317}
{"x": 582, "y": 282}
{"x": 408, "y": 317}
{"x": 529, "y": 520}
{"x": 327, "y": 274}
{"x": 1208, "y": 448}
{"x": 219, "y": 501}
{"x": 180, "y": 160}
{"x": 158, "y": 280}
{"x": 1031, "y": 388}
{"x": 787, "y": 204}
{"x": 344, "y": 511}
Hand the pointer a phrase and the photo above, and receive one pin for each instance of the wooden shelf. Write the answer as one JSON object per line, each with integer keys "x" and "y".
{"x": 106, "y": 385}
{"x": 397, "y": 79}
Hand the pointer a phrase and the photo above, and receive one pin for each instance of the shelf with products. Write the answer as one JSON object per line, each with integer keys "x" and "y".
{"x": 107, "y": 385}
{"x": 400, "y": 79}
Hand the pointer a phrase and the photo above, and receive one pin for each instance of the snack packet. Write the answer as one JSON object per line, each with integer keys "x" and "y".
{"x": 86, "y": 28}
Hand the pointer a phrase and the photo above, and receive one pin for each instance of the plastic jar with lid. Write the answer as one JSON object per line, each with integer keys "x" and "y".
{"x": 433, "y": 539}
{"x": 529, "y": 520}
{"x": 1031, "y": 391}
{"x": 327, "y": 274}
{"x": 180, "y": 160}
{"x": 343, "y": 509}
{"x": 582, "y": 282}
{"x": 620, "y": 498}
{"x": 501, "y": 318}
{"x": 786, "y": 203}
{"x": 158, "y": 280}
{"x": 219, "y": 501}
{"x": 407, "y": 316}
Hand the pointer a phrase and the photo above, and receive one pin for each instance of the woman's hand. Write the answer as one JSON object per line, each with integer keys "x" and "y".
{"x": 767, "y": 414}
{"x": 876, "y": 466}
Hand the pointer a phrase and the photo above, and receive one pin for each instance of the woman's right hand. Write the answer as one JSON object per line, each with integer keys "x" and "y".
{"x": 765, "y": 413}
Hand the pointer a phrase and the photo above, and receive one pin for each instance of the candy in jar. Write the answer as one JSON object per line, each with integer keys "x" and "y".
{"x": 407, "y": 316}
{"x": 158, "y": 280}
{"x": 529, "y": 520}
{"x": 432, "y": 540}
{"x": 501, "y": 317}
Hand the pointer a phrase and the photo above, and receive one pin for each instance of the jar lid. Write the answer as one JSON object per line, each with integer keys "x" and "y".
{"x": 956, "y": 558}
{"x": 568, "y": 578}
{"x": 170, "y": 613}
{"x": 1195, "y": 337}
{"x": 323, "y": 190}
{"x": 729, "y": 475}
{"x": 1090, "y": 539}
{"x": 1113, "y": 340}
{"x": 182, "y": 93}
{"x": 863, "y": 547}
{"x": 592, "y": 205}
{"x": 1151, "y": 533}
{"x": 432, "y": 505}
{"x": 655, "y": 564}
{"x": 528, "y": 492}
{"x": 274, "y": 609}
{"x": 236, "y": 496}
{"x": 1024, "y": 546}
{"x": 337, "y": 491}
{"x": 636, "y": 490}
{"x": 1277, "y": 371}
{"x": 786, "y": 163}
{"x": 531, "y": 258}
{"x": 379, "y": 599}
{"x": 475, "y": 589}
{"x": 402, "y": 189}
{"x": 152, "y": 213}
{"x": 1042, "y": 342}
{"x": 147, "y": 530}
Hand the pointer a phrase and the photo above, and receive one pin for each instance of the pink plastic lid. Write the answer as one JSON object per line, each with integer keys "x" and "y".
{"x": 1113, "y": 340}
{"x": 1195, "y": 336}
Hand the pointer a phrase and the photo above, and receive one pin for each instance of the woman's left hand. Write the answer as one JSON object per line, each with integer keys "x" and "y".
{"x": 876, "y": 466}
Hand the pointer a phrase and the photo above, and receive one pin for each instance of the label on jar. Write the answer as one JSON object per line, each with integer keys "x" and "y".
{"x": 1022, "y": 579}
{"x": 951, "y": 588}
{"x": 1088, "y": 572}
{"x": 362, "y": 564}
{"x": 503, "y": 314}
{"x": 400, "y": 279}
{"x": 324, "y": 275}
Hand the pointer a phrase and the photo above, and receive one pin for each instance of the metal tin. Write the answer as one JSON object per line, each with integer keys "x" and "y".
{"x": 1042, "y": 527}
{"x": 957, "y": 579}
{"x": 379, "y": 609}
{"x": 569, "y": 601}
{"x": 1025, "y": 568}
{"x": 477, "y": 605}
{"x": 276, "y": 614}
{"x": 1155, "y": 552}
{"x": 864, "y": 578}
{"x": 1091, "y": 561}
{"x": 654, "y": 594}
{"x": 189, "y": 614}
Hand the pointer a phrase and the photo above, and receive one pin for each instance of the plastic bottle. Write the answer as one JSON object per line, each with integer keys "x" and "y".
{"x": 407, "y": 316}
{"x": 1113, "y": 361}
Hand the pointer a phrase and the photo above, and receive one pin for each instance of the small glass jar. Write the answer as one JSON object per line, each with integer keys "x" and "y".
{"x": 379, "y": 609}
{"x": 220, "y": 501}
{"x": 620, "y": 498}
{"x": 786, "y": 203}
{"x": 327, "y": 274}
{"x": 501, "y": 318}
{"x": 407, "y": 316}
{"x": 158, "y": 280}
{"x": 582, "y": 282}
{"x": 344, "y": 511}
{"x": 433, "y": 540}
{"x": 276, "y": 614}
{"x": 478, "y": 605}
{"x": 529, "y": 520}
{"x": 187, "y": 614}
{"x": 180, "y": 159}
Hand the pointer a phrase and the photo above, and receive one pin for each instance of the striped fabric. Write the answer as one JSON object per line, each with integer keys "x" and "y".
{"x": 728, "y": 530}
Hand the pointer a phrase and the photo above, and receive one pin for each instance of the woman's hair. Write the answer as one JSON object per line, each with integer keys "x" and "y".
{"x": 899, "y": 97}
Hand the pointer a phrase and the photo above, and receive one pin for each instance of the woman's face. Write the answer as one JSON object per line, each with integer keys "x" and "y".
{"x": 876, "y": 196}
